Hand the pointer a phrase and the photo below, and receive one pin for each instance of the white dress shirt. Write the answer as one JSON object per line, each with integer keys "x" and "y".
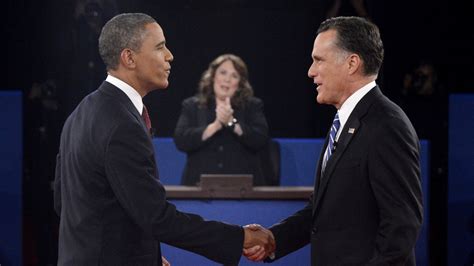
{"x": 132, "y": 94}
{"x": 350, "y": 103}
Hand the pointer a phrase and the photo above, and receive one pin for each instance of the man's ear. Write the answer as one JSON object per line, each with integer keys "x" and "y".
{"x": 355, "y": 63}
{"x": 127, "y": 58}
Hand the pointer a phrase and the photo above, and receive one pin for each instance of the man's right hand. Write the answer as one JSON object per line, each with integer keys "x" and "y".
{"x": 259, "y": 242}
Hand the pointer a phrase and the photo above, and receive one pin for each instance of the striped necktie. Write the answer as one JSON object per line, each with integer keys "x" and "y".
{"x": 146, "y": 118}
{"x": 332, "y": 140}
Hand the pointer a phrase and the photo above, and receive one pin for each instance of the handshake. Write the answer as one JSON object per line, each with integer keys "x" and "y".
{"x": 259, "y": 242}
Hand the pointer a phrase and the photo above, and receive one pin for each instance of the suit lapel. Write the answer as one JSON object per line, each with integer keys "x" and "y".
{"x": 115, "y": 92}
{"x": 123, "y": 99}
{"x": 343, "y": 142}
{"x": 317, "y": 182}
{"x": 347, "y": 134}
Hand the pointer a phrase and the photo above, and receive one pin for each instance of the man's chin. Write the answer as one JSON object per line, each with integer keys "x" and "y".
{"x": 162, "y": 86}
{"x": 319, "y": 99}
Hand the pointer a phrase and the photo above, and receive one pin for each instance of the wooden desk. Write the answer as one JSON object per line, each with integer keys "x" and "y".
{"x": 277, "y": 193}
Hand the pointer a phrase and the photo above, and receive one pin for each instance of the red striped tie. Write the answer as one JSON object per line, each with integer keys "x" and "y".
{"x": 146, "y": 118}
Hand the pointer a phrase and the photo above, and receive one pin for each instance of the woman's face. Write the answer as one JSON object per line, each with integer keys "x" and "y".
{"x": 226, "y": 80}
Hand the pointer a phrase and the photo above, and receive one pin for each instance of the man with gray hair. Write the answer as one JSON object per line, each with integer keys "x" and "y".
{"x": 366, "y": 208}
{"x": 112, "y": 208}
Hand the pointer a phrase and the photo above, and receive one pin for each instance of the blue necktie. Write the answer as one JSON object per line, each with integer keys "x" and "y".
{"x": 332, "y": 138}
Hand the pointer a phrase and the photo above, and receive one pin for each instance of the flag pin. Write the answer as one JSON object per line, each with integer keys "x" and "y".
{"x": 351, "y": 130}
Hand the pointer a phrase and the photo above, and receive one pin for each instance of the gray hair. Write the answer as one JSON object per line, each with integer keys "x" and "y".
{"x": 121, "y": 32}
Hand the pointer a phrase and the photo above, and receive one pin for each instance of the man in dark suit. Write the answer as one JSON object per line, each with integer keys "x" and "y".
{"x": 366, "y": 207}
{"x": 113, "y": 209}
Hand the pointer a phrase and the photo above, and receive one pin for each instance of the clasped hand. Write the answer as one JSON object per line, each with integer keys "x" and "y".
{"x": 224, "y": 111}
{"x": 259, "y": 242}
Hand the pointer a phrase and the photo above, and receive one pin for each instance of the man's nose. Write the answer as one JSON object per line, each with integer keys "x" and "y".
{"x": 312, "y": 71}
{"x": 170, "y": 56}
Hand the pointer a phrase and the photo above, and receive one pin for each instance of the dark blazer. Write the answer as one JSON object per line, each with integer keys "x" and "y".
{"x": 225, "y": 152}
{"x": 113, "y": 210}
{"x": 366, "y": 209}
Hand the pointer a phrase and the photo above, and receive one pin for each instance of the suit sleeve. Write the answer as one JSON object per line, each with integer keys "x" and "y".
{"x": 254, "y": 127}
{"x": 57, "y": 186}
{"x": 394, "y": 173}
{"x": 293, "y": 232}
{"x": 130, "y": 166}
{"x": 188, "y": 134}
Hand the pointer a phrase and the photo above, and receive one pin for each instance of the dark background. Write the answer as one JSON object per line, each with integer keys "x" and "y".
{"x": 50, "y": 53}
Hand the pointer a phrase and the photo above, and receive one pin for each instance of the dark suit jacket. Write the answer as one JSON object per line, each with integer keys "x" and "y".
{"x": 366, "y": 209}
{"x": 225, "y": 152}
{"x": 113, "y": 210}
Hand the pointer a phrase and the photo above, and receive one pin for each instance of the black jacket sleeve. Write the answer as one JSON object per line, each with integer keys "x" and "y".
{"x": 395, "y": 181}
{"x": 254, "y": 126}
{"x": 129, "y": 166}
{"x": 188, "y": 133}
{"x": 293, "y": 232}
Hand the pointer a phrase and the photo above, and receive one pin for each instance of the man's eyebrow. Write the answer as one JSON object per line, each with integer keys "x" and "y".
{"x": 160, "y": 44}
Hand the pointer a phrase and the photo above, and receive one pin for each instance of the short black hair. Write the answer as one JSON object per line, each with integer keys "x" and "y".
{"x": 360, "y": 36}
{"x": 122, "y": 31}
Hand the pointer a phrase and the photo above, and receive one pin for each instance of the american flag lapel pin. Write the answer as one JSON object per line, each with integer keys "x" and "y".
{"x": 351, "y": 130}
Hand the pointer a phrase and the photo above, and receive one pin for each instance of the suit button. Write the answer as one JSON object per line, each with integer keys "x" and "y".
{"x": 314, "y": 230}
{"x": 221, "y": 148}
{"x": 220, "y": 165}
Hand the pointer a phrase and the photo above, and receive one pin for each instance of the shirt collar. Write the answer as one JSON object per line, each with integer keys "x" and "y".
{"x": 131, "y": 93}
{"x": 351, "y": 102}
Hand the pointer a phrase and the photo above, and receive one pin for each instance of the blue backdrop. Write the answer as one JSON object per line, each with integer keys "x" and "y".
{"x": 10, "y": 177}
{"x": 461, "y": 180}
{"x": 298, "y": 166}
{"x": 298, "y": 162}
